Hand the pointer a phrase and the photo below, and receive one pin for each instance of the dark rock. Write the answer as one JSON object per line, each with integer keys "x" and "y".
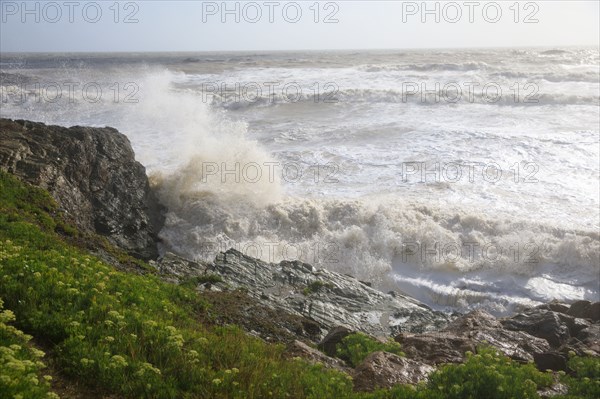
{"x": 333, "y": 337}
{"x": 92, "y": 174}
{"x": 540, "y": 323}
{"x": 595, "y": 311}
{"x": 581, "y": 309}
{"x": 436, "y": 348}
{"x": 550, "y": 361}
{"x": 555, "y": 306}
{"x": 590, "y": 337}
{"x": 384, "y": 370}
{"x": 579, "y": 348}
{"x": 585, "y": 310}
{"x": 574, "y": 324}
{"x": 300, "y": 349}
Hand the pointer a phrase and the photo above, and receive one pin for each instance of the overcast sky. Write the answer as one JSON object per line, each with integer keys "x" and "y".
{"x": 282, "y": 25}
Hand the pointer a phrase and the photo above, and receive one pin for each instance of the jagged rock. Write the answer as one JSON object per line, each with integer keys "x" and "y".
{"x": 517, "y": 345}
{"x": 254, "y": 316}
{"x": 172, "y": 265}
{"x": 300, "y": 349}
{"x": 554, "y": 390}
{"x": 574, "y": 324}
{"x": 92, "y": 174}
{"x": 329, "y": 298}
{"x": 384, "y": 370}
{"x": 550, "y": 361}
{"x": 540, "y": 323}
{"x": 436, "y": 348}
{"x": 585, "y": 310}
{"x": 595, "y": 311}
{"x": 484, "y": 329}
{"x": 590, "y": 337}
{"x": 555, "y": 306}
{"x": 466, "y": 333}
{"x": 333, "y": 337}
{"x": 471, "y": 321}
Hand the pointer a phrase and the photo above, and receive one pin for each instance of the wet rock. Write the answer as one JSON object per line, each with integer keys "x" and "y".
{"x": 540, "y": 323}
{"x": 333, "y": 337}
{"x": 384, "y": 370}
{"x": 92, "y": 174}
{"x": 330, "y": 299}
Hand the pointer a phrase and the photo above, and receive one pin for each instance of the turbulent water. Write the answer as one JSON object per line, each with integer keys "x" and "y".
{"x": 466, "y": 178}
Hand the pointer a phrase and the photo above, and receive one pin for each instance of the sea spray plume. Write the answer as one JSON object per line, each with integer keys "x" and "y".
{"x": 366, "y": 237}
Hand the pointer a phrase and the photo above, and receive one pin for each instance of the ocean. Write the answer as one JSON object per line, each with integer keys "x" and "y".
{"x": 464, "y": 178}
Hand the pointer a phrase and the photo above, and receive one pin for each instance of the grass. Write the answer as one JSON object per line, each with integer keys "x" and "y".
{"x": 133, "y": 335}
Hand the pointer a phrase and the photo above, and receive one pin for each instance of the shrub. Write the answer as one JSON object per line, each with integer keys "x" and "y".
{"x": 20, "y": 364}
{"x": 584, "y": 383}
{"x": 487, "y": 375}
{"x": 356, "y": 347}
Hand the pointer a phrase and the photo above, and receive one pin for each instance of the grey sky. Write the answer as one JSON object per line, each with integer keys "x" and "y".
{"x": 276, "y": 25}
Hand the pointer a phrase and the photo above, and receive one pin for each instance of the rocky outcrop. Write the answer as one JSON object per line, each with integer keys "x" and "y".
{"x": 540, "y": 323}
{"x": 384, "y": 370}
{"x": 436, "y": 348}
{"x": 466, "y": 333}
{"x": 92, "y": 174}
{"x": 540, "y": 335}
{"x": 329, "y": 299}
{"x": 315, "y": 356}
{"x": 332, "y": 339}
{"x": 585, "y": 310}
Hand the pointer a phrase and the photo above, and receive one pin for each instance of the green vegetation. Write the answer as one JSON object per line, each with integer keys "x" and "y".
{"x": 128, "y": 334}
{"x": 585, "y": 380}
{"x": 484, "y": 375}
{"x": 356, "y": 347}
{"x": 133, "y": 335}
{"x": 20, "y": 364}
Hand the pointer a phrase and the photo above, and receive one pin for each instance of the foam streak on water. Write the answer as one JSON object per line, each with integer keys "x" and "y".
{"x": 360, "y": 206}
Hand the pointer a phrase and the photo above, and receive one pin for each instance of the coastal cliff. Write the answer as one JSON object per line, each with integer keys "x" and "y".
{"x": 168, "y": 330}
{"x": 92, "y": 174}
